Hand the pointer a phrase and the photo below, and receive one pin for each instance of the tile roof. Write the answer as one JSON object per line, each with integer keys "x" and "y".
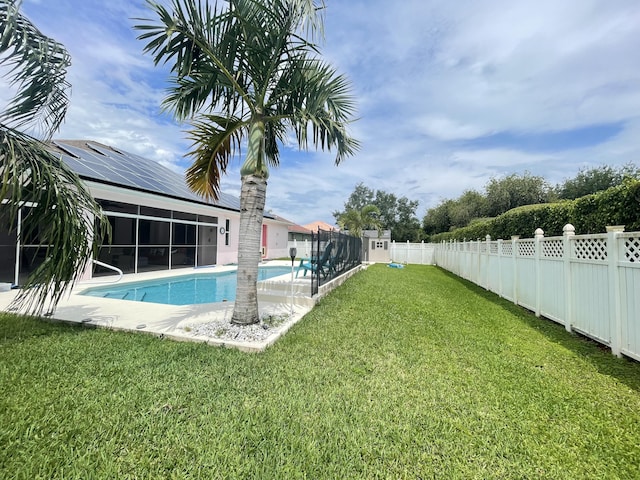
{"x": 319, "y": 224}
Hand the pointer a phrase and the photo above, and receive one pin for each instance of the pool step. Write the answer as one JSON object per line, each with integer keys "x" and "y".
{"x": 275, "y": 296}
{"x": 300, "y": 286}
{"x": 280, "y": 292}
{"x": 118, "y": 296}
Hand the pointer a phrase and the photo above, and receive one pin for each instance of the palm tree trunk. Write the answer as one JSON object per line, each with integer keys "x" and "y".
{"x": 252, "y": 200}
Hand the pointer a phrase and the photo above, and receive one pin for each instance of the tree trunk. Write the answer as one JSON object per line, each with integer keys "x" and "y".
{"x": 252, "y": 200}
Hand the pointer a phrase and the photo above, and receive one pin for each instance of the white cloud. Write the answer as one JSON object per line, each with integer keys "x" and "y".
{"x": 443, "y": 128}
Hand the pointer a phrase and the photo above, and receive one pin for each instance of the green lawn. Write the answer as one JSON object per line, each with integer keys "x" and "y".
{"x": 399, "y": 373}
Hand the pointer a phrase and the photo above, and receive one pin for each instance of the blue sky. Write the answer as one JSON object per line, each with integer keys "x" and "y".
{"x": 450, "y": 94}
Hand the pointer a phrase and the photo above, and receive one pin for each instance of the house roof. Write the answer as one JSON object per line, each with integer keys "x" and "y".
{"x": 319, "y": 224}
{"x": 299, "y": 229}
{"x": 104, "y": 164}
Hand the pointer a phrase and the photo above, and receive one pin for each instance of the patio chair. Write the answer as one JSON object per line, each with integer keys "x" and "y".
{"x": 335, "y": 261}
{"x": 321, "y": 265}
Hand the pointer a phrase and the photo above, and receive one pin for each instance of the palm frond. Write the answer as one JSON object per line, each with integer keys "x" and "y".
{"x": 202, "y": 43}
{"x": 317, "y": 101}
{"x": 62, "y": 214}
{"x": 215, "y": 140}
{"x": 37, "y": 67}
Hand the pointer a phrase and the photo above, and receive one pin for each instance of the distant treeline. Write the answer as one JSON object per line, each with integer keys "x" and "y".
{"x": 619, "y": 205}
{"x": 518, "y": 204}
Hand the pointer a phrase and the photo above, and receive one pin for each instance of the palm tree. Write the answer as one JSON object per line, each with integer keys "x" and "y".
{"x": 355, "y": 221}
{"x": 244, "y": 71}
{"x": 62, "y": 211}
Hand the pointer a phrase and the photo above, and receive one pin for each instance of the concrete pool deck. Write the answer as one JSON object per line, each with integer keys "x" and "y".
{"x": 173, "y": 322}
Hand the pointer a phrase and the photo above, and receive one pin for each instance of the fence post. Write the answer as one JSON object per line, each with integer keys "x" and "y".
{"x": 407, "y": 257}
{"x": 568, "y": 231}
{"x": 478, "y": 278}
{"x": 500, "y": 267}
{"x": 615, "y": 321}
{"x": 514, "y": 256}
{"x": 488, "y": 260}
{"x": 538, "y": 236}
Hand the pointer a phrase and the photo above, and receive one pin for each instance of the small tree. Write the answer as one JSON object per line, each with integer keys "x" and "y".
{"x": 355, "y": 221}
{"x": 243, "y": 70}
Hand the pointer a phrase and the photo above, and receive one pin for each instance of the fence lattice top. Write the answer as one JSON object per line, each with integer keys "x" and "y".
{"x": 632, "y": 249}
{"x": 590, "y": 249}
{"x": 552, "y": 249}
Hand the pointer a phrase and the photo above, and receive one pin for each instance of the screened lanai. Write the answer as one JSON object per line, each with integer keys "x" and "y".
{"x": 157, "y": 223}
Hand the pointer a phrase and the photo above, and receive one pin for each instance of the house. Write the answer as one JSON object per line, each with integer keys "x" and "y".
{"x": 376, "y": 246}
{"x": 157, "y": 223}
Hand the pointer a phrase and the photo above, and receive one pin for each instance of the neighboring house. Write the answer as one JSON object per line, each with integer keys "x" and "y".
{"x": 299, "y": 233}
{"x": 157, "y": 223}
{"x": 376, "y": 246}
{"x": 300, "y": 236}
{"x": 320, "y": 225}
{"x": 275, "y": 235}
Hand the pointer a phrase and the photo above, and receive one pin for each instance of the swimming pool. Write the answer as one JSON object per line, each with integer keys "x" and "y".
{"x": 183, "y": 290}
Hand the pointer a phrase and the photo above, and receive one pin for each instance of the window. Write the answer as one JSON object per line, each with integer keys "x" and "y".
{"x": 184, "y": 234}
{"x": 227, "y": 225}
{"x": 153, "y": 233}
{"x": 207, "y": 219}
{"x": 184, "y": 216}
{"x": 110, "y": 206}
{"x": 155, "y": 212}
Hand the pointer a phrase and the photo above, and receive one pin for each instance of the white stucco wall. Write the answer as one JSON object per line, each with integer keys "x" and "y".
{"x": 277, "y": 239}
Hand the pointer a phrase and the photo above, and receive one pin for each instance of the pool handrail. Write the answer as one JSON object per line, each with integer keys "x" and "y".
{"x": 110, "y": 267}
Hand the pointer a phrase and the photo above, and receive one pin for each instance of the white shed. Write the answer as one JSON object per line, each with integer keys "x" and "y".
{"x": 376, "y": 246}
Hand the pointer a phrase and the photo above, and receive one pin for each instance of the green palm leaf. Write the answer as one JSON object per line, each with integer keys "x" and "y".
{"x": 61, "y": 210}
{"x": 62, "y": 213}
{"x": 37, "y": 67}
{"x": 215, "y": 139}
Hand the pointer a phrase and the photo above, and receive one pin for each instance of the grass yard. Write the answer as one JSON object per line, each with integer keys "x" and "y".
{"x": 407, "y": 373}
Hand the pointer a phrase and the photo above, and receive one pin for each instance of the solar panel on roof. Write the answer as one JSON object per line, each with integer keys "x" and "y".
{"x": 102, "y": 164}
{"x": 79, "y": 168}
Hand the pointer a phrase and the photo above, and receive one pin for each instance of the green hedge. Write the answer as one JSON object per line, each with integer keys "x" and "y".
{"x": 589, "y": 214}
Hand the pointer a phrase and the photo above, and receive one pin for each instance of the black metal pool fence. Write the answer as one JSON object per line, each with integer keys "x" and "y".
{"x": 332, "y": 254}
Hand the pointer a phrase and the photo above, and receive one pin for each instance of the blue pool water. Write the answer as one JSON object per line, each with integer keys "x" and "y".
{"x": 183, "y": 290}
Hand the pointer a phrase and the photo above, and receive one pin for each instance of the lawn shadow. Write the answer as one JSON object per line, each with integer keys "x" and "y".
{"x": 14, "y": 326}
{"x": 625, "y": 369}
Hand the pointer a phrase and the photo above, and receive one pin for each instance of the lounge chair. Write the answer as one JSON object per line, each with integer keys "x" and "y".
{"x": 321, "y": 266}
{"x": 335, "y": 261}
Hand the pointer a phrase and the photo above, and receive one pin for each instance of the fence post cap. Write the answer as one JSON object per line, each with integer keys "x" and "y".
{"x": 568, "y": 229}
{"x": 539, "y": 233}
{"x": 515, "y": 237}
{"x": 488, "y": 237}
{"x": 615, "y": 228}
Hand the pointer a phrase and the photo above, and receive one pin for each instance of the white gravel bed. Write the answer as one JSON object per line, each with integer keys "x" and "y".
{"x": 223, "y": 329}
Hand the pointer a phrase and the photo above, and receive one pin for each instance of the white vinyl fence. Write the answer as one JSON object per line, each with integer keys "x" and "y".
{"x": 419, "y": 253}
{"x": 588, "y": 283}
